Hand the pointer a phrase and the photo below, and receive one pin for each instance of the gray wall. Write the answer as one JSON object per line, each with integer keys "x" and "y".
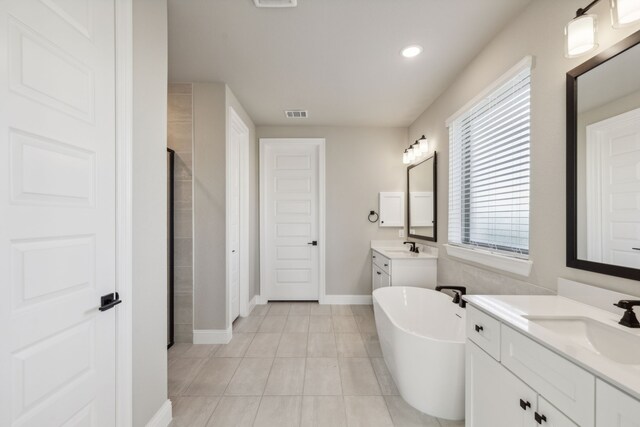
{"x": 538, "y": 31}
{"x": 209, "y": 205}
{"x": 211, "y": 102}
{"x": 180, "y": 139}
{"x": 360, "y": 163}
{"x": 149, "y": 208}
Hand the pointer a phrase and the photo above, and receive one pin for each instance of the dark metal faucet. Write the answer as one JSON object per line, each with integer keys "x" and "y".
{"x": 459, "y": 291}
{"x": 413, "y": 248}
{"x": 629, "y": 318}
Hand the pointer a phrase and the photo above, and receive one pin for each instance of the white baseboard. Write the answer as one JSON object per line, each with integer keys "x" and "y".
{"x": 163, "y": 417}
{"x": 260, "y": 300}
{"x": 212, "y": 336}
{"x": 347, "y": 299}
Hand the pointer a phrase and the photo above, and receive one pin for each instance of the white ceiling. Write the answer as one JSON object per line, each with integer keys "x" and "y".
{"x": 339, "y": 59}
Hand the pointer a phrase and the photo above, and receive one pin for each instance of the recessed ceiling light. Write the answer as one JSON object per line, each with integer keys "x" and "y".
{"x": 411, "y": 51}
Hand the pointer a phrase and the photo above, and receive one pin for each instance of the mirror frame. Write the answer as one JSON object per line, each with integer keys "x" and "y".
{"x": 572, "y": 163}
{"x": 435, "y": 201}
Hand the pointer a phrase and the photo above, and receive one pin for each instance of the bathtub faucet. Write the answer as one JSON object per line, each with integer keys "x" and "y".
{"x": 458, "y": 292}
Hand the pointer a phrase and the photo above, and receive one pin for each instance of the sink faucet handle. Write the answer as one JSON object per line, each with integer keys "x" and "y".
{"x": 629, "y": 318}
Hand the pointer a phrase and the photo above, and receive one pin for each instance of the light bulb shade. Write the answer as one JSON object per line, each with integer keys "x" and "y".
{"x": 424, "y": 144}
{"x": 405, "y": 158}
{"x": 416, "y": 149}
{"x": 411, "y": 155}
{"x": 624, "y": 12}
{"x": 580, "y": 36}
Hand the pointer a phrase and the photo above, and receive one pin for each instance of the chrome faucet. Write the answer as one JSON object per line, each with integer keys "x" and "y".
{"x": 629, "y": 318}
{"x": 413, "y": 248}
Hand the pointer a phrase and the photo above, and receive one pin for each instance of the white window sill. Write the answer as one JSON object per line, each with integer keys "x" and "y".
{"x": 521, "y": 267}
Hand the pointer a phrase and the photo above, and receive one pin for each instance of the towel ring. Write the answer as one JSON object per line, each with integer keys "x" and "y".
{"x": 375, "y": 215}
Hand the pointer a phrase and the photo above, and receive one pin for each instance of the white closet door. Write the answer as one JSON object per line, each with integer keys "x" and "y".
{"x": 57, "y": 204}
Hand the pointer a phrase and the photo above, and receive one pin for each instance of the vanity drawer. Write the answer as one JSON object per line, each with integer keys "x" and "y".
{"x": 570, "y": 388}
{"x": 381, "y": 261}
{"x": 484, "y": 330}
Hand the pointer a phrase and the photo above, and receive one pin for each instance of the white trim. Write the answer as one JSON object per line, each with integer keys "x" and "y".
{"x": 322, "y": 237}
{"x": 124, "y": 206}
{"x": 347, "y": 299}
{"x": 523, "y": 64}
{"x": 163, "y": 417}
{"x": 212, "y": 336}
{"x": 593, "y": 193}
{"x": 260, "y": 300}
{"x": 252, "y": 305}
{"x": 234, "y": 121}
{"x": 521, "y": 267}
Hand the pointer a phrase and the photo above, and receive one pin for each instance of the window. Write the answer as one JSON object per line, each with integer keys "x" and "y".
{"x": 489, "y": 163}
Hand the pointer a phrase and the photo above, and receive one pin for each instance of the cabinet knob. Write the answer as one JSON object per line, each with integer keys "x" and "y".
{"x": 479, "y": 328}
{"x": 386, "y": 265}
{"x": 524, "y": 405}
{"x": 540, "y": 418}
{"x": 378, "y": 273}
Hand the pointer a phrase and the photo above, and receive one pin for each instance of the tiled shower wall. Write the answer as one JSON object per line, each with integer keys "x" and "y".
{"x": 180, "y": 139}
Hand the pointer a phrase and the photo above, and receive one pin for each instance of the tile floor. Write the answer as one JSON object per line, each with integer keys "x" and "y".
{"x": 291, "y": 364}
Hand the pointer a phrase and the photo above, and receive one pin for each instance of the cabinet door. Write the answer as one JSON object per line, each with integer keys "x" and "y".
{"x": 385, "y": 279}
{"x": 615, "y": 408}
{"x": 552, "y": 416}
{"x": 376, "y": 275}
{"x": 392, "y": 209}
{"x": 494, "y": 395}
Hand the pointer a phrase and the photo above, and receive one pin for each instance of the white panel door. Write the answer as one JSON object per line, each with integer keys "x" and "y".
{"x": 233, "y": 249}
{"x": 617, "y": 189}
{"x": 57, "y": 207}
{"x": 291, "y": 220}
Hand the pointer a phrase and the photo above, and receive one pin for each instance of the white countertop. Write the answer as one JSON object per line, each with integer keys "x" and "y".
{"x": 401, "y": 253}
{"x": 510, "y": 309}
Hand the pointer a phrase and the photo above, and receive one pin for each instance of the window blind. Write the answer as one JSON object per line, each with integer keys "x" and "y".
{"x": 489, "y": 170}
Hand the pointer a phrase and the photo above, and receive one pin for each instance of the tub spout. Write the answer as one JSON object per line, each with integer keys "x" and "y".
{"x": 458, "y": 292}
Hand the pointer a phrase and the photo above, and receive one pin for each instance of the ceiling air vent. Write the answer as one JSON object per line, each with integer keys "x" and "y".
{"x": 296, "y": 114}
{"x": 276, "y": 3}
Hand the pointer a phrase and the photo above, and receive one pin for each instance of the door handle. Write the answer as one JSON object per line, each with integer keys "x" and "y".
{"x": 109, "y": 301}
{"x": 314, "y": 243}
{"x": 636, "y": 249}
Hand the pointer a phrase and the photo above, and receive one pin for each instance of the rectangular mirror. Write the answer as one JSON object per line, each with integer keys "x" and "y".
{"x": 603, "y": 162}
{"x": 422, "y": 200}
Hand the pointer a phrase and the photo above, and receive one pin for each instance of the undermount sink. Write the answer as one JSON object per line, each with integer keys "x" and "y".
{"x": 614, "y": 344}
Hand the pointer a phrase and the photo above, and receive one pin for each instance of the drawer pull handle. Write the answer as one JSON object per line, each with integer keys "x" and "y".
{"x": 524, "y": 405}
{"x": 386, "y": 265}
{"x": 540, "y": 418}
{"x": 378, "y": 273}
{"x": 479, "y": 328}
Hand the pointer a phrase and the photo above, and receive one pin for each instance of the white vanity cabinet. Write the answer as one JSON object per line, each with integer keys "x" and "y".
{"x": 615, "y": 408}
{"x": 402, "y": 270}
{"x": 514, "y": 381}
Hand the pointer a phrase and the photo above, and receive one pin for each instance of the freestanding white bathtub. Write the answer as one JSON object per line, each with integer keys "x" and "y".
{"x": 422, "y": 335}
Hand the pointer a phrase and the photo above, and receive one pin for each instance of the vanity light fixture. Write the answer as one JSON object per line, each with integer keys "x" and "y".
{"x": 424, "y": 144}
{"x": 417, "y": 149}
{"x": 405, "y": 157}
{"x": 411, "y": 154}
{"x": 624, "y": 12}
{"x": 580, "y": 33}
{"x": 411, "y": 51}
